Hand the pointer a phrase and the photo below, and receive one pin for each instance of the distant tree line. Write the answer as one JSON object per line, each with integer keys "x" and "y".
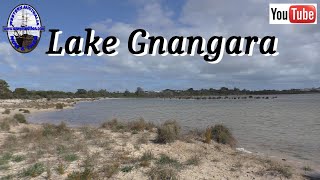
{"x": 23, "y": 93}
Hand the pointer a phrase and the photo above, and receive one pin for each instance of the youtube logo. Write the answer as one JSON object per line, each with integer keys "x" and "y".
{"x": 293, "y": 13}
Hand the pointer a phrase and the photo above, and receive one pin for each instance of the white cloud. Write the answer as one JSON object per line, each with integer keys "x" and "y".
{"x": 298, "y": 44}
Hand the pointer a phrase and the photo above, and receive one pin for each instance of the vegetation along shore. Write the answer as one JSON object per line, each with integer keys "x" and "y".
{"x": 124, "y": 150}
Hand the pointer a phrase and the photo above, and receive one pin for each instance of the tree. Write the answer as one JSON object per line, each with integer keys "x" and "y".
{"x": 139, "y": 91}
{"x": 81, "y": 91}
{"x": 4, "y": 89}
{"x": 20, "y": 92}
{"x": 126, "y": 93}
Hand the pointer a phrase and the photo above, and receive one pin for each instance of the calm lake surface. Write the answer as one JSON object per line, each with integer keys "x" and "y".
{"x": 288, "y": 127}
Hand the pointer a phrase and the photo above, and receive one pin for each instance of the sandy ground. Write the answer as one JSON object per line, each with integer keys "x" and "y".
{"x": 98, "y": 153}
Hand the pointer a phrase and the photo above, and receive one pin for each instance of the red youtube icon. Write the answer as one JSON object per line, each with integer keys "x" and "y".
{"x": 303, "y": 14}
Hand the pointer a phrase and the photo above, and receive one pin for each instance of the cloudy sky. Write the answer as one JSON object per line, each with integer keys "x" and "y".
{"x": 297, "y": 65}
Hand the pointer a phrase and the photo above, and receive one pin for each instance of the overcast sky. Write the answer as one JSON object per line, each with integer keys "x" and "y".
{"x": 297, "y": 65}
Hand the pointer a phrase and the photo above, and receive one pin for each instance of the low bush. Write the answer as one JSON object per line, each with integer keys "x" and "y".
{"x": 6, "y": 111}
{"x": 168, "y": 132}
{"x": 55, "y": 130}
{"x": 134, "y": 126}
{"x": 140, "y": 125}
{"x": 113, "y": 125}
{"x": 223, "y": 135}
{"x": 163, "y": 172}
{"x": 59, "y": 106}
{"x": 20, "y": 118}
{"x": 278, "y": 169}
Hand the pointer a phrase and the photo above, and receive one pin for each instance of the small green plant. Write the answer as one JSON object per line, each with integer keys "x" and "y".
{"x": 127, "y": 169}
{"x": 59, "y": 106}
{"x": 18, "y": 158}
{"x": 6, "y": 111}
{"x": 147, "y": 156}
{"x": 71, "y": 157}
{"x": 307, "y": 168}
{"x": 163, "y": 172}
{"x": 34, "y": 170}
{"x": 168, "y": 132}
{"x": 194, "y": 160}
{"x": 223, "y": 135}
{"x": 20, "y": 118}
{"x": 166, "y": 160}
{"x": 61, "y": 168}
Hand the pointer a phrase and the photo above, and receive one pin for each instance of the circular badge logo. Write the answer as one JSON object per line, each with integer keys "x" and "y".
{"x": 24, "y": 28}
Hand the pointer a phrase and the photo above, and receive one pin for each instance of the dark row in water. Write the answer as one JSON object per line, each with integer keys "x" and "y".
{"x": 226, "y": 97}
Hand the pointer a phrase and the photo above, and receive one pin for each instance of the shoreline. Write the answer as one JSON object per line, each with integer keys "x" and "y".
{"x": 69, "y": 104}
{"x": 294, "y": 161}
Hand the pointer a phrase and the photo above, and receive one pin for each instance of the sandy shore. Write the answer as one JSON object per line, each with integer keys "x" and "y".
{"x": 30, "y": 151}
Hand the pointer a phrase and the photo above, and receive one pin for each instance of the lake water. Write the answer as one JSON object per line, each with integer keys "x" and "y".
{"x": 288, "y": 126}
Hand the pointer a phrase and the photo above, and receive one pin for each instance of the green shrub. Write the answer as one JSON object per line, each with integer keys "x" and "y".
{"x": 71, "y": 157}
{"x": 59, "y": 106}
{"x": 20, "y": 118}
{"x": 34, "y": 170}
{"x": 223, "y": 135}
{"x": 127, "y": 169}
{"x": 6, "y": 111}
{"x": 166, "y": 160}
{"x": 168, "y": 132}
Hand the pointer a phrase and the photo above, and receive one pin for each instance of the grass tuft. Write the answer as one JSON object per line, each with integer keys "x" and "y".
{"x": 166, "y": 160}
{"x": 34, "y": 170}
{"x": 163, "y": 172}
